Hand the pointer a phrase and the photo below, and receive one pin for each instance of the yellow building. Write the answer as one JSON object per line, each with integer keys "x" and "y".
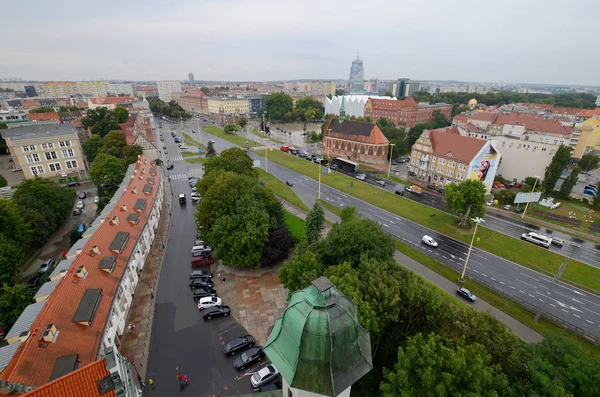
{"x": 45, "y": 150}
{"x": 585, "y": 138}
{"x": 68, "y": 88}
{"x": 228, "y": 107}
{"x": 472, "y": 103}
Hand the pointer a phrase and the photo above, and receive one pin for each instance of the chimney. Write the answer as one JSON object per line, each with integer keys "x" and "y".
{"x": 114, "y": 221}
{"x": 123, "y": 207}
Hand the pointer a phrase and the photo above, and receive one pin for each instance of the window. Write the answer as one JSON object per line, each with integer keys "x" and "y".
{"x": 64, "y": 143}
{"x": 440, "y": 170}
{"x": 419, "y": 154}
{"x": 441, "y": 161}
{"x": 449, "y": 172}
{"x": 68, "y": 153}
{"x": 54, "y": 167}
{"x": 32, "y": 158}
{"x": 28, "y": 148}
{"x": 37, "y": 169}
{"x": 503, "y": 143}
{"x": 511, "y": 144}
{"x": 51, "y": 155}
{"x": 452, "y": 164}
{"x": 414, "y": 152}
{"x": 47, "y": 146}
{"x": 71, "y": 164}
{"x": 519, "y": 147}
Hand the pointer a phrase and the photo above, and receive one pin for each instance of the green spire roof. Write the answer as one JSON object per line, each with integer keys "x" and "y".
{"x": 342, "y": 110}
{"x": 318, "y": 344}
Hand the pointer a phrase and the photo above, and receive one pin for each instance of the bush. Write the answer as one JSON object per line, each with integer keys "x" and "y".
{"x": 3, "y": 181}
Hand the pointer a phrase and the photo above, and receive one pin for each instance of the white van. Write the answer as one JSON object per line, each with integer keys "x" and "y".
{"x": 201, "y": 248}
{"x": 538, "y": 239}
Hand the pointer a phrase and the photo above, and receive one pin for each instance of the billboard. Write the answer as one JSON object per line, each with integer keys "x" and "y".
{"x": 484, "y": 165}
{"x": 527, "y": 197}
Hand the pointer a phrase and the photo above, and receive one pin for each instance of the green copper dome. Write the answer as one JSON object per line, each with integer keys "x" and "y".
{"x": 318, "y": 344}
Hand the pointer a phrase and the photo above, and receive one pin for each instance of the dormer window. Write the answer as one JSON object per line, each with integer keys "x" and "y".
{"x": 94, "y": 250}
{"x": 114, "y": 221}
{"x": 81, "y": 272}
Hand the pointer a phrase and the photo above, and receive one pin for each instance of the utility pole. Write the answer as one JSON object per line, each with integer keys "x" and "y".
{"x": 561, "y": 269}
{"x": 199, "y": 132}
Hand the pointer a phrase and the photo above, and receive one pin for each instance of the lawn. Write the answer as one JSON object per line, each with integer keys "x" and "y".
{"x": 255, "y": 132}
{"x": 196, "y": 160}
{"x": 190, "y": 154}
{"x": 295, "y": 226}
{"x": 191, "y": 141}
{"x": 281, "y": 189}
{"x": 233, "y": 138}
{"x": 497, "y": 300}
{"x": 499, "y": 244}
{"x": 568, "y": 208}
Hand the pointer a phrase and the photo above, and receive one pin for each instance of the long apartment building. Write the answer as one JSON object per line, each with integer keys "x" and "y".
{"x": 81, "y": 312}
{"x": 166, "y": 88}
{"x": 193, "y": 101}
{"x": 85, "y": 88}
{"x": 405, "y": 112}
{"x": 45, "y": 150}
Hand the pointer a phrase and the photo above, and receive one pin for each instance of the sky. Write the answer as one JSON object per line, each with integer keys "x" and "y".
{"x": 527, "y": 41}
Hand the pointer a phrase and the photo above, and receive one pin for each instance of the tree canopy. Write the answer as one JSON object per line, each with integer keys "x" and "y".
{"x": 171, "y": 109}
{"x": 556, "y": 167}
{"x": 314, "y": 223}
{"x": 210, "y": 150}
{"x": 396, "y": 136}
{"x": 121, "y": 114}
{"x": 568, "y": 184}
{"x": 278, "y": 105}
{"x": 466, "y": 199}
{"x": 234, "y": 160}
{"x": 101, "y": 121}
{"x": 589, "y": 162}
{"x": 14, "y": 299}
{"x": 107, "y": 170}
{"x": 91, "y": 146}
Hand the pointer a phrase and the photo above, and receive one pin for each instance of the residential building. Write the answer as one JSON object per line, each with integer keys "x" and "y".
{"x": 60, "y": 89}
{"x": 110, "y": 102}
{"x": 587, "y": 113}
{"x": 357, "y": 76}
{"x": 116, "y": 89}
{"x": 598, "y": 100}
{"x": 64, "y": 89}
{"x": 354, "y": 105}
{"x": 586, "y": 137}
{"x": 257, "y": 105}
{"x": 68, "y": 117}
{"x": 165, "y": 88}
{"x": 111, "y": 375}
{"x": 85, "y": 308}
{"x": 138, "y": 131}
{"x": 147, "y": 91}
{"x": 50, "y": 116}
{"x": 444, "y": 156}
{"x": 45, "y": 150}
{"x": 322, "y": 88}
{"x": 193, "y": 101}
{"x": 405, "y": 112}
{"x": 13, "y": 116}
{"x": 355, "y": 140}
{"x": 220, "y": 107}
{"x": 191, "y": 78}
{"x": 318, "y": 345}
{"x": 30, "y": 91}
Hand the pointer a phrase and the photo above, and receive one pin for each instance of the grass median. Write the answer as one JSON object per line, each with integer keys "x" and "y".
{"x": 295, "y": 226}
{"x": 196, "y": 160}
{"x": 233, "y": 138}
{"x": 281, "y": 189}
{"x": 259, "y": 136}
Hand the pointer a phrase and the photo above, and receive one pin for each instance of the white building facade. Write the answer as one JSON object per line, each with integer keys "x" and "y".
{"x": 354, "y": 105}
{"x": 165, "y": 88}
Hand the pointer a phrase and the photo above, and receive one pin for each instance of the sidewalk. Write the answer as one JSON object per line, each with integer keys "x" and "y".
{"x": 136, "y": 345}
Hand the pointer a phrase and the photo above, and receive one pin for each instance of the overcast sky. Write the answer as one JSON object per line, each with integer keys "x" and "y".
{"x": 534, "y": 41}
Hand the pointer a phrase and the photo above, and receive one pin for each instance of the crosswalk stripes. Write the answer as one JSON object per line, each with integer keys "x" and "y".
{"x": 178, "y": 176}
{"x": 178, "y": 158}
{"x": 197, "y": 172}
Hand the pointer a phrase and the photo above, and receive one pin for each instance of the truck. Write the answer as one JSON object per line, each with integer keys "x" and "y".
{"x": 415, "y": 189}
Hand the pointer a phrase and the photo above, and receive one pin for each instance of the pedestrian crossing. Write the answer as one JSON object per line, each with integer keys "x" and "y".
{"x": 177, "y": 158}
{"x": 178, "y": 176}
{"x": 195, "y": 172}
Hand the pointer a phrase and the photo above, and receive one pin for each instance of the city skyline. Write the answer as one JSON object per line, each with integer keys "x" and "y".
{"x": 435, "y": 41}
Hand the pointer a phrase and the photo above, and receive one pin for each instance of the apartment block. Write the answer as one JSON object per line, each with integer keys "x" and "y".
{"x": 228, "y": 107}
{"x": 193, "y": 101}
{"x": 166, "y": 88}
{"x": 322, "y": 88}
{"x": 406, "y": 112}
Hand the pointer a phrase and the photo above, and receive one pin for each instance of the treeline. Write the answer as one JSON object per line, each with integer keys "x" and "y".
{"x": 280, "y": 107}
{"x": 50, "y": 109}
{"x": 423, "y": 342}
{"x": 171, "y": 109}
{"x": 575, "y": 100}
{"x": 241, "y": 219}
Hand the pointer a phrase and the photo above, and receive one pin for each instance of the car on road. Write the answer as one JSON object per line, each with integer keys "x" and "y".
{"x": 429, "y": 241}
{"x": 431, "y": 187}
{"x": 400, "y": 192}
{"x": 202, "y": 261}
{"x": 170, "y": 166}
{"x": 72, "y": 184}
{"x": 361, "y": 177}
{"x": 81, "y": 195}
{"x": 200, "y": 274}
{"x": 559, "y": 242}
{"x": 212, "y": 141}
{"x": 204, "y": 283}
{"x": 210, "y": 301}
{"x": 465, "y": 293}
{"x": 46, "y": 265}
{"x": 264, "y": 376}
{"x": 381, "y": 182}
{"x": 507, "y": 207}
{"x": 182, "y": 199}
{"x": 76, "y": 212}
{"x": 538, "y": 239}
{"x": 216, "y": 311}
{"x": 35, "y": 282}
{"x": 200, "y": 293}
{"x": 80, "y": 205}
{"x": 237, "y": 344}
{"x": 96, "y": 199}
{"x": 195, "y": 197}
{"x": 289, "y": 183}
{"x": 248, "y": 357}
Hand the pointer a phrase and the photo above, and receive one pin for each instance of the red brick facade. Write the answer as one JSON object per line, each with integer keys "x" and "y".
{"x": 356, "y": 141}
{"x": 406, "y": 112}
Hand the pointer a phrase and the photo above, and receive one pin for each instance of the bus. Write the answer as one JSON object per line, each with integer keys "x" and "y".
{"x": 345, "y": 165}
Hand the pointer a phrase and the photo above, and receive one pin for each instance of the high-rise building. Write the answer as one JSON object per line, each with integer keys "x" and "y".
{"x": 191, "y": 77}
{"x": 598, "y": 100}
{"x": 357, "y": 76}
{"x": 165, "y": 88}
{"x": 30, "y": 91}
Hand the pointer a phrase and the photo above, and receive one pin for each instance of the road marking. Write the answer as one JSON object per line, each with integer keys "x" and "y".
{"x": 178, "y": 158}
{"x": 502, "y": 282}
{"x": 575, "y": 300}
{"x": 484, "y": 275}
{"x": 476, "y": 271}
{"x": 576, "y": 315}
{"x": 566, "y": 311}
{"x": 528, "y": 276}
{"x": 512, "y": 287}
{"x": 532, "y": 286}
{"x": 552, "y": 305}
{"x": 392, "y": 222}
{"x": 540, "y": 300}
{"x": 531, "y": 295}
{"x": 577, "y": 292}
{"x": 493, "y": 278}
{"x": 589, "y": 322}
{"x": 521, "y": 291}
{"x": 591, "y": 311}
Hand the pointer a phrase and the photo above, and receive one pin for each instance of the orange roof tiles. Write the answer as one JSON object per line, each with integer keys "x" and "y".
{"x": 461, "y": 117}
{"x": 357, "y": 131}
{"x": 79, "y": 383}
{"x": 533, "y": 123}
{"x": 462, "y": 148}
{"x": 111, "y": 100}
{"x": 391, "y": 104}
{"x": 590, "y": 112}
{"x": 484, "y": 116}
{"x": 43, "y": 116}
{"x": 33, "y": 363}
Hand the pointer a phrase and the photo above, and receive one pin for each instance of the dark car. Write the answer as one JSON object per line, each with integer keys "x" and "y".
{"x": 441, "y": 191}
{"x": 81, "y": 195}
{"x": 200, "y": 274}
{"x": 72, "y": 184}
{"x": 518, "y": 210}
{"x": 76, "y": 212}
{"x": 400, "y": 192}
{"x": 170, "y": 166}
{"x": 430, "y": 187}
{"x": 200, "y": 293}
{"x": 216, "y": 311}
{"x": 465, "y": 293}
{"x": 202, "y": 261}
{"x": 394, "y": 162}
{"x": 248, "y": 357}
{"x": 202, "y": 252}
{"x": 289, "y": 183}
{"x": 201, "y": 277}
{"x": 271, "y": 386}
{"x": 35, "y": 282}
{"x": 201, "y": 283}
{"x": 232, "y": 347}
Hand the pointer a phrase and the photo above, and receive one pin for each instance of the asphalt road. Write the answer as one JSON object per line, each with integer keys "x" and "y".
{"x": 570, "y": 305}
{"x": 181, "y": 340}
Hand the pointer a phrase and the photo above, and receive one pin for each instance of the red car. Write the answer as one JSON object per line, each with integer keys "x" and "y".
{"x": 202, "y": 261}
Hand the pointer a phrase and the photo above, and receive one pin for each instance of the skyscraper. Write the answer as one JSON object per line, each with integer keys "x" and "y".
{"x": 357, "y": 76}
{"x": 191, "y": 77}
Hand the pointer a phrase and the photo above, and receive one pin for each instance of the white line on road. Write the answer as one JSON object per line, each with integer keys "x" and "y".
{"x": 576, "y": 315}
{"x": 564, "y": 310}
{"x": 589, "y": 322}
{"x": 493, "y": 278}
{"x": 528, "y": 276}
{"x": 502, "y": 282}
{"x": 575, "y": 300}
{"x": 484, "y": 275}
{"x": 552, "y": 305}
{"x": 512, "y": 287}
{"x": 392, "y": 222}
{"x": 541, "y": 300}
{"x": 521, "y": 291}
{"x": 531, "y": 295}
{"x": 532, "y": 286}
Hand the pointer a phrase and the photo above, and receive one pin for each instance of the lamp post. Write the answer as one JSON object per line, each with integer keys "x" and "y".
{"x": 266, "y": 154}
{"x": 529, "y": 198}
{"x": 477, "y": 221}
{"x": 390, "y": 164}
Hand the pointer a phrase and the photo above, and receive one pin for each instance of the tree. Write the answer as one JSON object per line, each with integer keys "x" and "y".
{"x": 314, "y": 223}
{"x": 107, "y": 169}
{"x": 11, "y": 219}
{"x": 114, "y": 142}
{"x": 242, "y": 122}
{"x": 349, "y": 213}
{"x": 435, "y": 366}
{"x": 556, "y": 167}
{"x": 568, "y": 184}
{"x": 414, "y": 134}
{"x": 205, "y": 90}
{"x": 589, "y": 162}
{"x": 42, "y": 109}
{"x": 131, "y": 153}
{"x": 11, "y": 258}
{"x": 210, "y": 150}
{"x": 234, "y": 160}
{"x": 505, "y": 196}
{"x": 103, "y": 127}
{"x": 91, "y": 146}
{"x": 389, "y": 93}
{"x": 74, "y": 235}
{"x": 14, "y": 299}
{"x": 467, "y": 199}
{"x": 339, "y": 91}
{"x": 3, "y": 181}
{"x": 301, "y": 270}
{"x": 231, "y": 128}
{"x": 277, "y": 247}
{"x": 3, "y": 126}
{"x": 121, "y": 114}
{"x": 278, "y": 105}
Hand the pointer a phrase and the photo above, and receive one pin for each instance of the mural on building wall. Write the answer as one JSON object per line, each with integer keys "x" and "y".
{"x": 483, "y": 167}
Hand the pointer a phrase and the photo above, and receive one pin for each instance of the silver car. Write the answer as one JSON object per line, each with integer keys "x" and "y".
{"x": 264, "y": 375}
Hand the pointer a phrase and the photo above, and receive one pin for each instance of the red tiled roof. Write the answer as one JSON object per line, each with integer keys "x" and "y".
{"x": 471, "y": 127}
{"x": 30, "y": 103}
{"x": 43, "y": 116}
{"x": 82, "y": 105}
{"x": 33, "y": 363}
{"x": 533, "y": 123}
{"x": 79, "y": 383}
{"x": 539, "y": 106}
{"x": 357, "y": 131}
{"x": 590, "y": 112}
{"x": 566, "y": 110}
{"x": 393, "y": 104}
{"x": 484, "y": 116}
{"x": 461, "y": 117}
{"x": 111, "y": 100}
{"x": 460, "y": 147}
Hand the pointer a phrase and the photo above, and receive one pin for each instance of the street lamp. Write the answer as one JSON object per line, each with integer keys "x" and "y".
{"x": 390, "y": 164}
{"x": 477, "y": 221}
{"x": 530, "y": 194}
{"x": 266, "y": 154}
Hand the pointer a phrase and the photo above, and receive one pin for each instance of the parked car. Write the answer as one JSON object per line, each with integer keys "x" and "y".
{"x": 490, "y": 202}
{"x": 248, "y": 357}
{"x": 170, "y": 166}
{"x": 200, "y": 293}
{"x": 200, "y": 273}
{"x": 429, "y": 241}
{"x": 237, "y": 344}
{"x": 395, "y": 162}
{"x": 381, "y": 182}
{"x": 431, "y": 187}
{"x": 34, "y": 282}
{"x": 441, "y": 191}
{"x": 264, "y": 376}
{"x": 46, "y": 265}
{"x": 361, "y": 177}
{"x": 96, "y": 199}
{"x": 212, "y": 140}
{"x": 204, "y": 283}
{"x": 289, "y": 183}
{"x": 202, "y": 261}
{"x": 271, "y": 386}
{"x": 507, "y": 207}
{"x": 400, "y": 192}
{"x": 518, "y": 210}
{"x": 76, "y": 212}
{"x": 216, "y": 311}
{"x": 81, "y": 195}
{"x": 199, "y": 242}
{"x": 559, "y": 242}
{"x": 80, "y": 205}
{"x": 201, "y": 251}
{"x": 195, "y": 197}
{"x": 465, "y": 293}
{"x": 210, "y": 301}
